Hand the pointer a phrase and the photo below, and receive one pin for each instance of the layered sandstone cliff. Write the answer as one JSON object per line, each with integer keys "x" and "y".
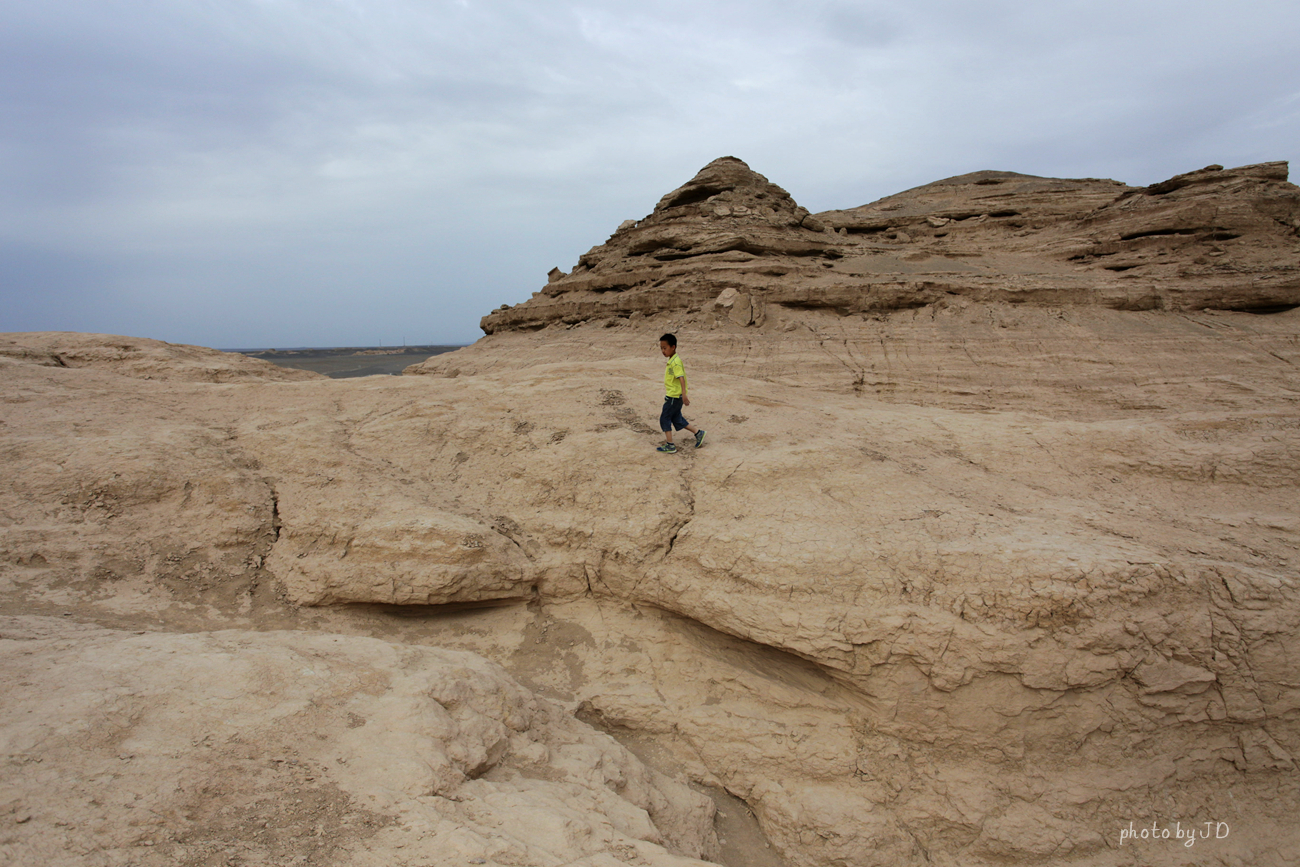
{"x": 976, "y": 574}
{"x": 1211, "y": 239}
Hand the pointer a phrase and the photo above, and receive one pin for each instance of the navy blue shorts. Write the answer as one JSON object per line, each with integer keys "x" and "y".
{"x": 672, "y": 415}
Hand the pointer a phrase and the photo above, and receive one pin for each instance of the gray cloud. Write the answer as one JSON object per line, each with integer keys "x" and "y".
{"x": 333, "y": 172}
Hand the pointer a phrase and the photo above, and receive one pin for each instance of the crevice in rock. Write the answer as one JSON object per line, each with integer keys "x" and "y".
{"x": 916, "y": 840}
{"x": 672, "y": 540}
{"x": 1268, "y": 310}
{"x": 690, "y": 516}
{"x": 694, "y": 195}
{"x": 423, "y": 611}
{"x": 1154, "y": 233}
{"x": 741, "y": 838}
{"x": 275, "y": 515}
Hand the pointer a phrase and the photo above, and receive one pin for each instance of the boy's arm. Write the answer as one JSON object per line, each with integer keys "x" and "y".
{"x": 686, "y": 401}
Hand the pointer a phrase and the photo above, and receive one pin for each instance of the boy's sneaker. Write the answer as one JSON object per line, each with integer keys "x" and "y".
{"x": 699, "y": 439}
{"x": 668, "y": 448}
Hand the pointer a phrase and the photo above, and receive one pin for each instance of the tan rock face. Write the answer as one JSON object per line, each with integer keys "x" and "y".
{"x": 968, "y": 583}
{"x": 1217, "y": 239}
{"x": 276, "y": 745}
{"x": 142, "y": 358}
{"x": 397, "y": 550}
{"x": 729, "y": 227}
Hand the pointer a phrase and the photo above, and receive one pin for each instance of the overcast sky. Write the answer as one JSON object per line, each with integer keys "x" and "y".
{"x": 258, "y": 173}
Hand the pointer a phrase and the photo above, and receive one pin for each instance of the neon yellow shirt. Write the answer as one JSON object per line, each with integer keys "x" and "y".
{"x": 673, "y": 386}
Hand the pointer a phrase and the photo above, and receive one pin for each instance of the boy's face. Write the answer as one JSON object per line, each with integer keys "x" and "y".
{"x": 666, "y": 349}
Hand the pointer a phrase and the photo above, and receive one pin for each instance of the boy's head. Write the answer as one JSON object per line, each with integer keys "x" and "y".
{"x": 668, "y": 345}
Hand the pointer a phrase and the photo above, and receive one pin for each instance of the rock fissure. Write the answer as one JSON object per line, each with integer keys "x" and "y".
{"x": 690, "y": 514}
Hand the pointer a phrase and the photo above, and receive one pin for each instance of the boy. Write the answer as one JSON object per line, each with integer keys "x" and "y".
{"x": 675, "y": 386}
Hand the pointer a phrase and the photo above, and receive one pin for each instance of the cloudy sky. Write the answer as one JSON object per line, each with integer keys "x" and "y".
{"x": 254, "y": 173}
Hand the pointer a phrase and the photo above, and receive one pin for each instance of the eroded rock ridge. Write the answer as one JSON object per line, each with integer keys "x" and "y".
{"x": 1210, "y": 239}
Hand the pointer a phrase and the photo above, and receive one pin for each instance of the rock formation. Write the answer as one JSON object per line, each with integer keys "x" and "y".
{"x": 268, "y": 746}
{"x": 141, "y": 357}
{"x": 991, "y": 553}
{"x": 730, "y": 240}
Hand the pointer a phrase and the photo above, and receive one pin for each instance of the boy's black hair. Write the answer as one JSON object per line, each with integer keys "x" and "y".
{"x": 670, "y": 339}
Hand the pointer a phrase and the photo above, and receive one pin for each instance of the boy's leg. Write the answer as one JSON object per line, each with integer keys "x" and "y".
{"x": 678, "y": 420}
{"x": 666, "y": 420}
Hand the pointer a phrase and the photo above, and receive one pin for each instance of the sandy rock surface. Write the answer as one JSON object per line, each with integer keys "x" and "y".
{"x": 247, "y": 747}
{"x": 140, "y": 357}
{"x": 963, "y": 583}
